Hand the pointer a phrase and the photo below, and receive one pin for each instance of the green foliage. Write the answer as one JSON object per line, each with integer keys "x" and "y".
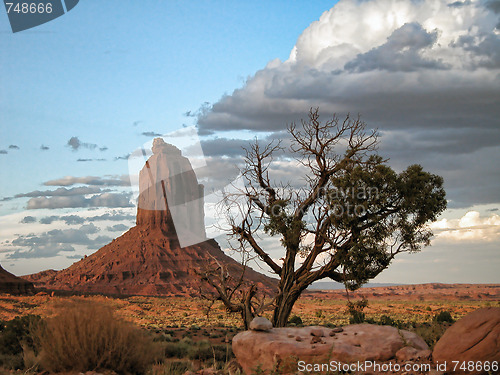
{"x": 355, "y": 310}
{"x": 296, "y": 320}
{"x": 16, "y": 332}
{"x": 444, "y": 316}
{"x": 375, "y": 204}
{"x": 431, "y": 332}
{"x": 201, "y": 350}
{"x": 15, "y": 339}
{"x": 386, "y": 320}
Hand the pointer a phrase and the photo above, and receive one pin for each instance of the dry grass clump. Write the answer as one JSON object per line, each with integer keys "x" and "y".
{"x": 86, "y": 336}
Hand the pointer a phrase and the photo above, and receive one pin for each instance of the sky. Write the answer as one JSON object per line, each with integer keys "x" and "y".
{"x": 80, "y": 93}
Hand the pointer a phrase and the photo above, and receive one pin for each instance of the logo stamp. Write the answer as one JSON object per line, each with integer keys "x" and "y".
{"x": 26, "y": 14}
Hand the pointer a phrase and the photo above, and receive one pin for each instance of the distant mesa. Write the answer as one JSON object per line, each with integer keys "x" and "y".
{"x": 151, "y": 258}
{"x": 14, "y": 285}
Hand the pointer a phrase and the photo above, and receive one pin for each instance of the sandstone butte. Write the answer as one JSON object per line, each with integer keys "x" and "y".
{"x": 14, "y": 285}
{"x": 148, "y": 259}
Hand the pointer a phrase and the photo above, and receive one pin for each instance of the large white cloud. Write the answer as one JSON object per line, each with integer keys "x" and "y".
{"x": 470, "y": 227}
{"x": 426, "y": 73}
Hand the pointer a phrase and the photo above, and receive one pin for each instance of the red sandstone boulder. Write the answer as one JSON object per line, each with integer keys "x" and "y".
{"x": 475, "y": 338}
{"x": 359, "y": 342}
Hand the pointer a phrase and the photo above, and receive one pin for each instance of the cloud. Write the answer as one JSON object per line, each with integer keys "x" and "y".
{"x": 401, "y": 52}
{"x": 110, "y": 200}
{"x": 151, "y": 134}
{"x": 89, "y": 180}
{"x": 28, "y": 220}
{"x": 76, "y": 144}
{"x": 13, "y": 147}
{"x": 75, "y": 219}
{"x": 60, "y": 192}
{"x": 4, "y": 152}
{"x": 124, "y": 157}
{"x": 52, "y": 243}
{"x": 425, "y": 74}
{"x": 85, "y": 160}
{"x": 470, "y": 227}
{"x": 44, "y": 148}
{"x": 117, "y": 228}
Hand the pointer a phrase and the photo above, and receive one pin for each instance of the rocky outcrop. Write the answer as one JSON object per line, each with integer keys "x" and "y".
{"x": 359, "y": 342}
{"x": 170, "y": 197}
{"x": 12, "y": 284}
{"x": 475, "y": 338}
{"x": 151, "y": 258}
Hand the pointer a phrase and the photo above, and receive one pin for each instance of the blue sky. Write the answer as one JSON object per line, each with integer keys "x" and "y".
{"x": 425, "y": 73}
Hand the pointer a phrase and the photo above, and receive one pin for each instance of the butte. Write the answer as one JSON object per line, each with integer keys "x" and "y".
{"x": 148, "y": 259}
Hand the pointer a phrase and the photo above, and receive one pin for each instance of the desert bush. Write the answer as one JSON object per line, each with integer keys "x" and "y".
{"x": 87, "y": 336}
{"x": 15, "y": 340}
{"x": 444, "y": 316}
{"x": 176, "y": 367}
{"x": 431, "y": 332}
{"x": 295, "y": 319}
{"x": 355, "y": 310}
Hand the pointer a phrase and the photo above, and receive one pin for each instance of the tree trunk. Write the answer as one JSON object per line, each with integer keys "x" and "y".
{"x": 284, "y": 305}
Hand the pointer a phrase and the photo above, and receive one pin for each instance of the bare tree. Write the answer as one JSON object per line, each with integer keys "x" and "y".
{"x": 237, "y": 294}
{"x": 351, "y": 217}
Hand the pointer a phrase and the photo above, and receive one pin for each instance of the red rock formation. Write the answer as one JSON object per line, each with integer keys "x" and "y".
{"x": 12, "y": 284}
{"x": 149, "y": 259}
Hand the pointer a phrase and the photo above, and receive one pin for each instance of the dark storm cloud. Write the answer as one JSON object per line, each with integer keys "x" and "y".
{"x": 486, "y": 48}
{"x": 224, "y": 147}
{"x": 432, "y": 91}
{"x": 459, "y": 4}
{"x": 401, "y": 53}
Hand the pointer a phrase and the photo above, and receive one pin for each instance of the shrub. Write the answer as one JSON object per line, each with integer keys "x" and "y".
{"x": 87, "y": 336}
{"x": 16, "y": 341}
{"x": 444, "y": 316}
{"x": 295, "y": 319}
{"x": 386, "y": 320}
{"x": 16, "y": 332}
{"x": 355, "y": 309}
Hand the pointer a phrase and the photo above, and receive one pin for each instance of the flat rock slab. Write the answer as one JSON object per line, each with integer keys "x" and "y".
{"x": 359, "y": 342}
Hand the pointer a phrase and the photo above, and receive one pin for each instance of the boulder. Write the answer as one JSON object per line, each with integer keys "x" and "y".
{"x": 475, "y": 337}
{"x": 284, "y": 347}
{"x": 260, "y": 323}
